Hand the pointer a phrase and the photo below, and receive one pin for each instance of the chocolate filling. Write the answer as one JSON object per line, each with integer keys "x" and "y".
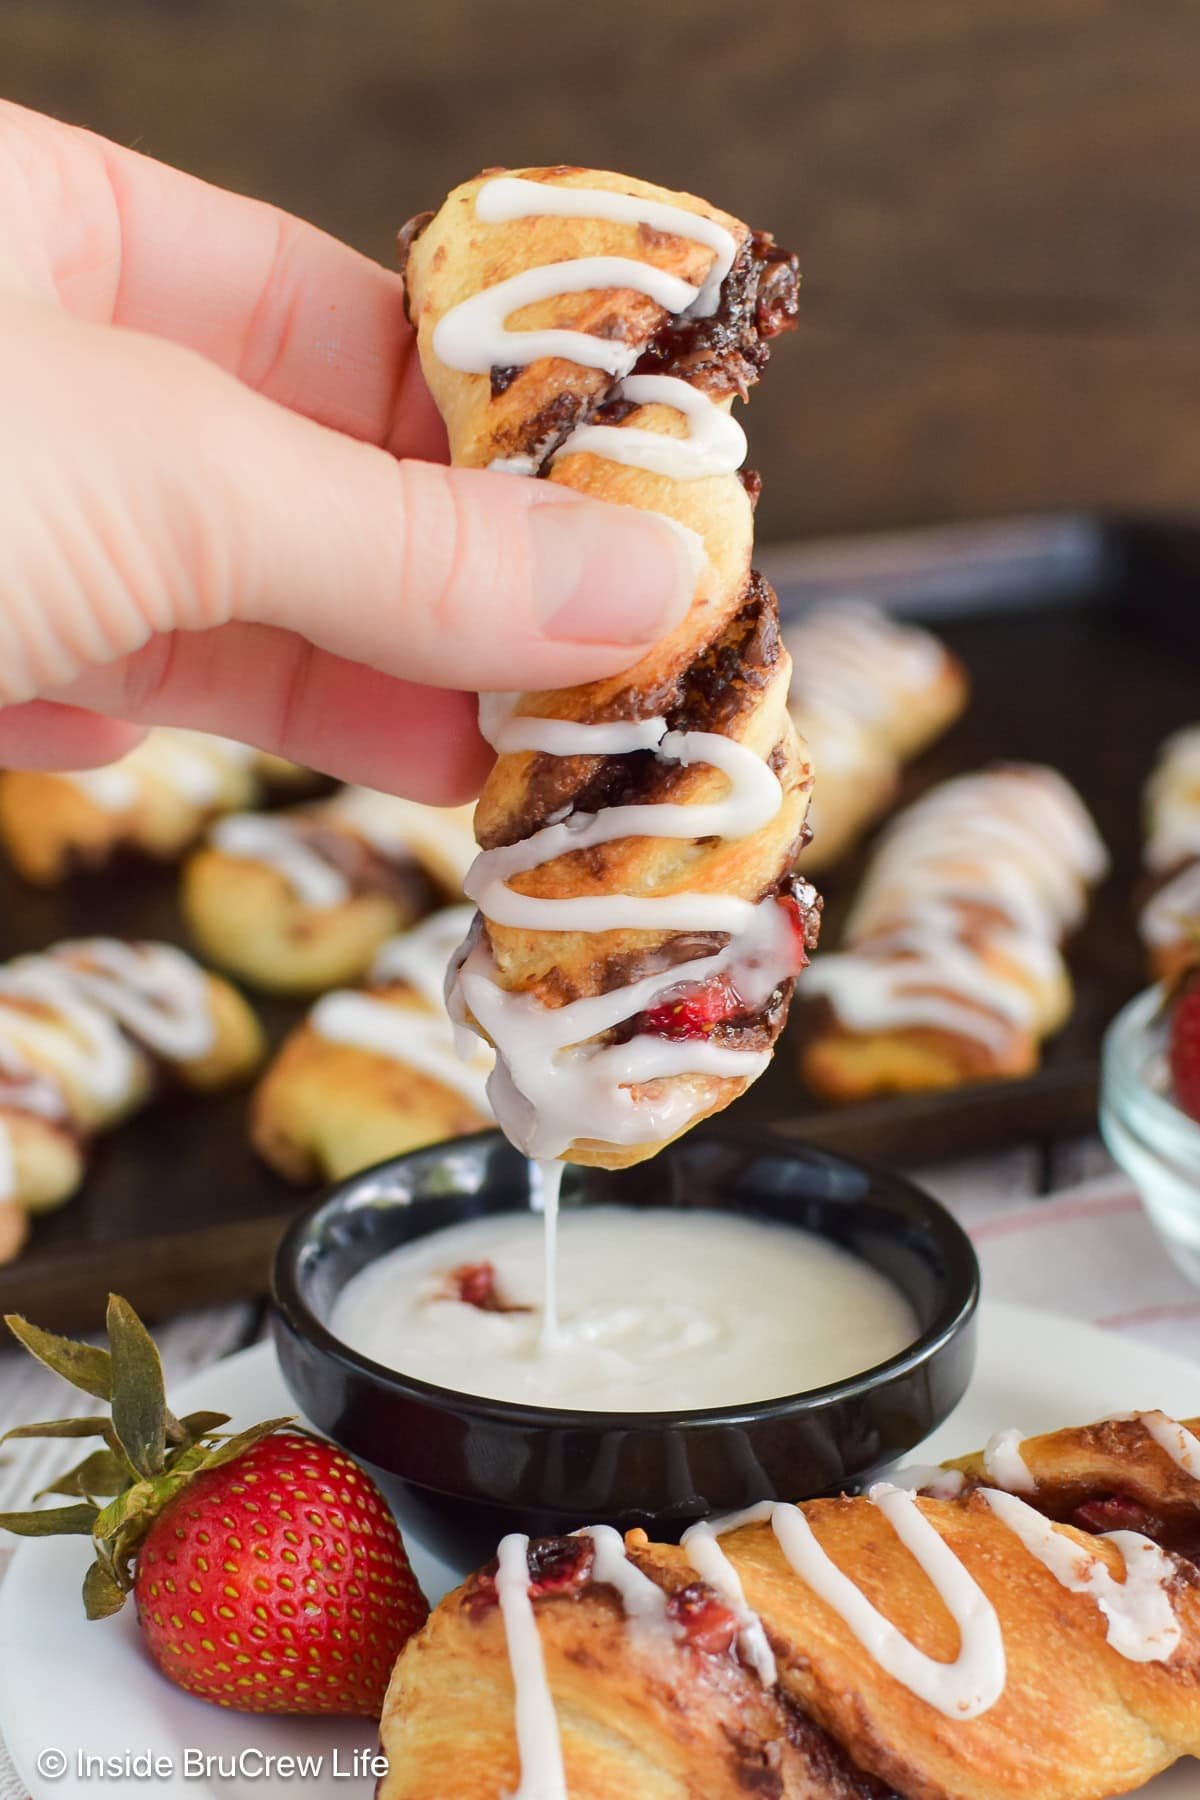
{"x": 368, "y": 871}
{"x": 719, "y": 687}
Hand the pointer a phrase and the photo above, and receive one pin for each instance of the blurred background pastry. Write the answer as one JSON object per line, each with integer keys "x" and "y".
{"x": 89, "y": 1031}
{"x": 1169, "y": 919}
{"x": 155, "y": 802}
{"x": 950, "y": 969}
{"x": 374, "y": 1071}
{"x": 301, "y": 900}
{"x": 868, "y": 693}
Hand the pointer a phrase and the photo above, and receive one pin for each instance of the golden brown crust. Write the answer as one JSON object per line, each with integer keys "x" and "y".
{"x": 48, "y": 1149}
{"x": 1076, "y": 1720}
{"x": 324, "y": 1110}
{"x": 691, "y": 677}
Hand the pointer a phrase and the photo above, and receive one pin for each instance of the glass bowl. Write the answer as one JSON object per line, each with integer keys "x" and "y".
{"x": 1152, "y": 1138}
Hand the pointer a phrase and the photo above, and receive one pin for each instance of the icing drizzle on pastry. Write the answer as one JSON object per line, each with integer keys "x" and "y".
{"x": 75, "y": 1021}
{"x": 1141, "y": 1624}
{"x": 422, "y": 1036}
{"x": 551, "y": 1085}
{"x": 957, "y": 924}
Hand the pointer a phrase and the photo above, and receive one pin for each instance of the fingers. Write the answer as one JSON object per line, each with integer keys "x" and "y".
{"x": 147, "y": 493}
{"x": 272, "y": 689}
{"x": 42, "y": 735}
{"x": 460, "y": 578}
{"x": 121, "y": 239}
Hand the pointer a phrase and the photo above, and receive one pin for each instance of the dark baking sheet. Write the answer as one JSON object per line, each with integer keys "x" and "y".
{"x": 176, "y": 1210}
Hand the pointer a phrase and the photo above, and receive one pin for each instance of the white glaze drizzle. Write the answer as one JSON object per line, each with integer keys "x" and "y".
{"x": 271, "y": 839}
{"x": 549, "y": 1189}
{"x": 644, "y": 1601}
{"x": 1142, "y": 1626}
{"x": 1174, "y": 908}
{"x": 513, "y": 197}
{"x": 421, "y": 1037}
{"x": 1014, "y": 842}
{"x": 1173, "y": 802}
{"x": 1181, "y": 1445}
{"x": 538, "y": 1743}
{"x": 550, "y": 1086}
{"x": 1005, "y": 1466}
{"x": 929, "y": 1478}
{"x": 851, "y": 656}
{"x": 961, "y": 1689}
{"x": 438, "y": 836}
{"x": 197, "y": 766}
{"x": 90, "y": 988}
{"x": 715, "y": 443}
{"x": 712, "y": 1565}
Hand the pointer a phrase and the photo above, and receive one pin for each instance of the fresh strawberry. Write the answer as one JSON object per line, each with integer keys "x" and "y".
{"x": 268, "y": 1573}
{"x": 696, "y": 1011}
{"x": 1184, "y": 1043}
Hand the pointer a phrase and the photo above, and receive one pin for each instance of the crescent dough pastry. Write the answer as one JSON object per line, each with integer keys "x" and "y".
{"x": 1169, "y": 920}
{"x": 868, "y": 693}
{"x": 88, "y": 1031}
{"x": 155, "y": 801}
{"x": 302, "y": 900}
{"x": 639, "y": 931}
{"x": 952, "y": 970}
{"x": 984, "y": 1646}
{"x": 373, "y": 1073}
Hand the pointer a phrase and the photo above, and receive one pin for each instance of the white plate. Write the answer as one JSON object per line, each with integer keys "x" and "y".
{"x": 79, "y": 1689}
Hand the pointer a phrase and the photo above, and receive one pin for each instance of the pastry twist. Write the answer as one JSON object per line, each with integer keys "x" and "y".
{"x": 972, "y": 1643}
{"x": 951, "y": 970}
{"x": 868, "y": 693}
{"x": 1169, "y": 918}
{"x": 639, "y": 929}
{"x": 303, "y": 899}
{"x": 88, "y": 1032}
{"x": 372, "y": 1072}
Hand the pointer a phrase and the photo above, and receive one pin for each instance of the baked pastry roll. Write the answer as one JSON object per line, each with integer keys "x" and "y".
{"x": 89, "y": 1031}
{"x": 1169, "y": 918}
{"x": 156, "y": 802}
{"x": 374, "y": 1072}
{"x": 976, "y": 1644}
{"x": 868, "y": 693}
{"x": 302, "y": 900}
{"x": 951, "y": 969}
{"x": 639, "y": 929}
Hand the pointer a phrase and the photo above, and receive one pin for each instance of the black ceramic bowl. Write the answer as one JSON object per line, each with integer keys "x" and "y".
{"x": 471, "y": 1469}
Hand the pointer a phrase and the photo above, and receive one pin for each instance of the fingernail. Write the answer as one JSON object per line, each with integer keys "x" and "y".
{"x": 610, "y": 574}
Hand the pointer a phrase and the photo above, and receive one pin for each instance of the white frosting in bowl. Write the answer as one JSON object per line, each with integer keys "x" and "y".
{"x": 659, "y": 1311}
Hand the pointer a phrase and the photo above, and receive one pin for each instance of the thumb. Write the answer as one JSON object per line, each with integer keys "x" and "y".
{"x": 154, "y": 494}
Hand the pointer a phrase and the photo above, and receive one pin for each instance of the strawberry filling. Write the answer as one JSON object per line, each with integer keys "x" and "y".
{"x": 475, "y": 1285}
{"x": 1116, "y": 1513}
{"x": 697, "y": 1010}
{"x": 705, "y": 1624}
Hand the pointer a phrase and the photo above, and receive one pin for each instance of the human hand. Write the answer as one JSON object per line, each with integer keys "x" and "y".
{"x": 221, "y": 503}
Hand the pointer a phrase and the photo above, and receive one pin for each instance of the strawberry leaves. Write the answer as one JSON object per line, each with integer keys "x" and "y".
{"x": 83, "y": 1365}
{"x": 148, "y": 1455}
{"x": 139, "y": 1397}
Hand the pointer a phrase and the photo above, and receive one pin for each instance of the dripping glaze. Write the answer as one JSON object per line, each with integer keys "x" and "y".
{"x": 551, "y": 1085}
{"x": 1141, "y": 1625}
